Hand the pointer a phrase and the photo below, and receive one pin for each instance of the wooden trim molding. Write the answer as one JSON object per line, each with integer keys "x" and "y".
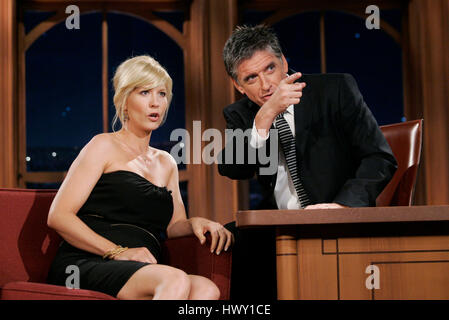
{"x": 58, "y": 176}
{"x": 43, "y": 27}
{"x": 162, "y": 25}
{"x": 323, "y": 41}
{"x": 104, "y": 71}
{"x": 8, "y": 46}
{"x": 44, "y": 176}
{"x": 346, "y": 216}
{"x": 21, "y": 102}
{"x": 58, "y": 17}
{"x": 122, "y": 4}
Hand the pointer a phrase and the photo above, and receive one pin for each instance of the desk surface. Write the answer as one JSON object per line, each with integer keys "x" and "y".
{"x": 254, "y": 218}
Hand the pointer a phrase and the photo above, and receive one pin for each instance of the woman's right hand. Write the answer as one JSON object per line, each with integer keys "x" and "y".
{"x": 141, "y": 254}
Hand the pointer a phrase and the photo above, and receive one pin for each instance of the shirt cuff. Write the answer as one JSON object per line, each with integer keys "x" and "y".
{"x": 257, "y": 141}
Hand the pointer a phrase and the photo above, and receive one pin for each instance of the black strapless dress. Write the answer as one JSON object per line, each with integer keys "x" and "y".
{"x": 127, "y": 209}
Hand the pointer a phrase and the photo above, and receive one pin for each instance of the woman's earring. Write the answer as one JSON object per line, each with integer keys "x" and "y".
{"x": 125, "y": 117}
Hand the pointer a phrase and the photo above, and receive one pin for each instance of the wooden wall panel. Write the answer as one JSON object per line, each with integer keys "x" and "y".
{"x": 196, "y": 62}
{"x": 208, "y": 91}
{"x": 427, "y": 92}
{"x": 222, "y": 20}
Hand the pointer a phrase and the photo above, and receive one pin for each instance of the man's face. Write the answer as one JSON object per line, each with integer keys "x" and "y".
{"x": 259, "y": 76}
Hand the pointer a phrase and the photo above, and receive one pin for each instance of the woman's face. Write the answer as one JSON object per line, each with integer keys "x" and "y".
{"x": 146, "y": 108}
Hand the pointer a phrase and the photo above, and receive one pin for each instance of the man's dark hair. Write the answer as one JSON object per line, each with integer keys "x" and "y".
{"x": 244, "y": 42}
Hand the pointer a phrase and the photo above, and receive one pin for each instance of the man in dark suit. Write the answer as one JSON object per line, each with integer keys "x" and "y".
{"x": 338, "y": 156}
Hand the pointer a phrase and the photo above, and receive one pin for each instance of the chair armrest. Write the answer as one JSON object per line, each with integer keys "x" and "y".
{"x": 186, "y": 253}
{"x": 21, "y": 290}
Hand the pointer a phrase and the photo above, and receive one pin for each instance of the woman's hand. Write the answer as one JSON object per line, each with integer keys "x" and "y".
{"x": 221, "y": 237}
{"x": 141, "y": 254}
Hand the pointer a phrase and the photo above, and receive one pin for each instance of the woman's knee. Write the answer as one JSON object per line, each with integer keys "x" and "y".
{"x": 211, "y": 292}
{"x": 203, "y": 289}
{"x": 156, "y": 281}
{"x": 176, "y": 284}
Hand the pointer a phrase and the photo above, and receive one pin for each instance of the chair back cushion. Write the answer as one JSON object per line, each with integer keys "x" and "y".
{"x": 405, "y": 142}
{"x": 27, "y": 244}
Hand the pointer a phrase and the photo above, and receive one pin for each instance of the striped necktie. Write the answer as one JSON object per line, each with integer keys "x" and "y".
{"x": 288, "y": 147}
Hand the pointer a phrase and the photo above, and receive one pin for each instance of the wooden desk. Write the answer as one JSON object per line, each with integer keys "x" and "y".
{"x": 324, "y": 254}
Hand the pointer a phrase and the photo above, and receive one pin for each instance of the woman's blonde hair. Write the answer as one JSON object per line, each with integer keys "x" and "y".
{"x": 140, "y": 71}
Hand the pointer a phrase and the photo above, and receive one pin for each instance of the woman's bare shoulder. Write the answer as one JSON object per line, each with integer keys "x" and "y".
{"x": 103, "y": 141}
{"x": 102, "y": 138}
{"x": 101, "y": 146}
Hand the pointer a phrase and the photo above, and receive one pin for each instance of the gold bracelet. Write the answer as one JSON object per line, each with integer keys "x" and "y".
{"x": 114, "y": 252}
{"x": 117, "y": 252}
{"x": 109, "y": 252}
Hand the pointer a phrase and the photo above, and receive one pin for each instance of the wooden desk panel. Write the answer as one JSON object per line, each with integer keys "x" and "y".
{"x": 319, "y": 260}
{"x": 420, "y": 275}
{"x": 318, "y": 272}
{"x": 395, "y": 244}
{"x": 420, "y": 280}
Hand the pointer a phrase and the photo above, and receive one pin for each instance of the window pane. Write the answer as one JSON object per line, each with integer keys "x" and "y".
{"x": 299, "y": 36}
{"x": 33, "y": 17}
{"x": 63, "y": 93}
{"x": 254, "y": 17}
{"x": 393, "y": 17}
{"x": 372, "y": 57}
{"x": 300, "y": 40}
{"x": 175, "y": 18}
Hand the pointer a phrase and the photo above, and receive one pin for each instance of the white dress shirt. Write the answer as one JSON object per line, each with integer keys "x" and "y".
{"x": 284, "y": 190}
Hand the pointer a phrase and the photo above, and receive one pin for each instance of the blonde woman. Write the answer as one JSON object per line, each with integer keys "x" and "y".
{"x": 121, "y": 198}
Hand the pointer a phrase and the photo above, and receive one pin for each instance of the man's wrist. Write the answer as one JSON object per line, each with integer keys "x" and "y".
{"x": 259, "y": 137}
{"x": 268, "y": 111}
{"x": 264, "y": 119}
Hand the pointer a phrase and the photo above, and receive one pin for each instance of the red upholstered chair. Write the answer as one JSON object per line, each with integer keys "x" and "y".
{"x": 405, "y": 140}
{"x": 27, "y": 248}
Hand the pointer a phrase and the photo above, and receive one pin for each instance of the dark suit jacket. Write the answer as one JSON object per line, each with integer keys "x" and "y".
{"x": 344, "y": 155}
